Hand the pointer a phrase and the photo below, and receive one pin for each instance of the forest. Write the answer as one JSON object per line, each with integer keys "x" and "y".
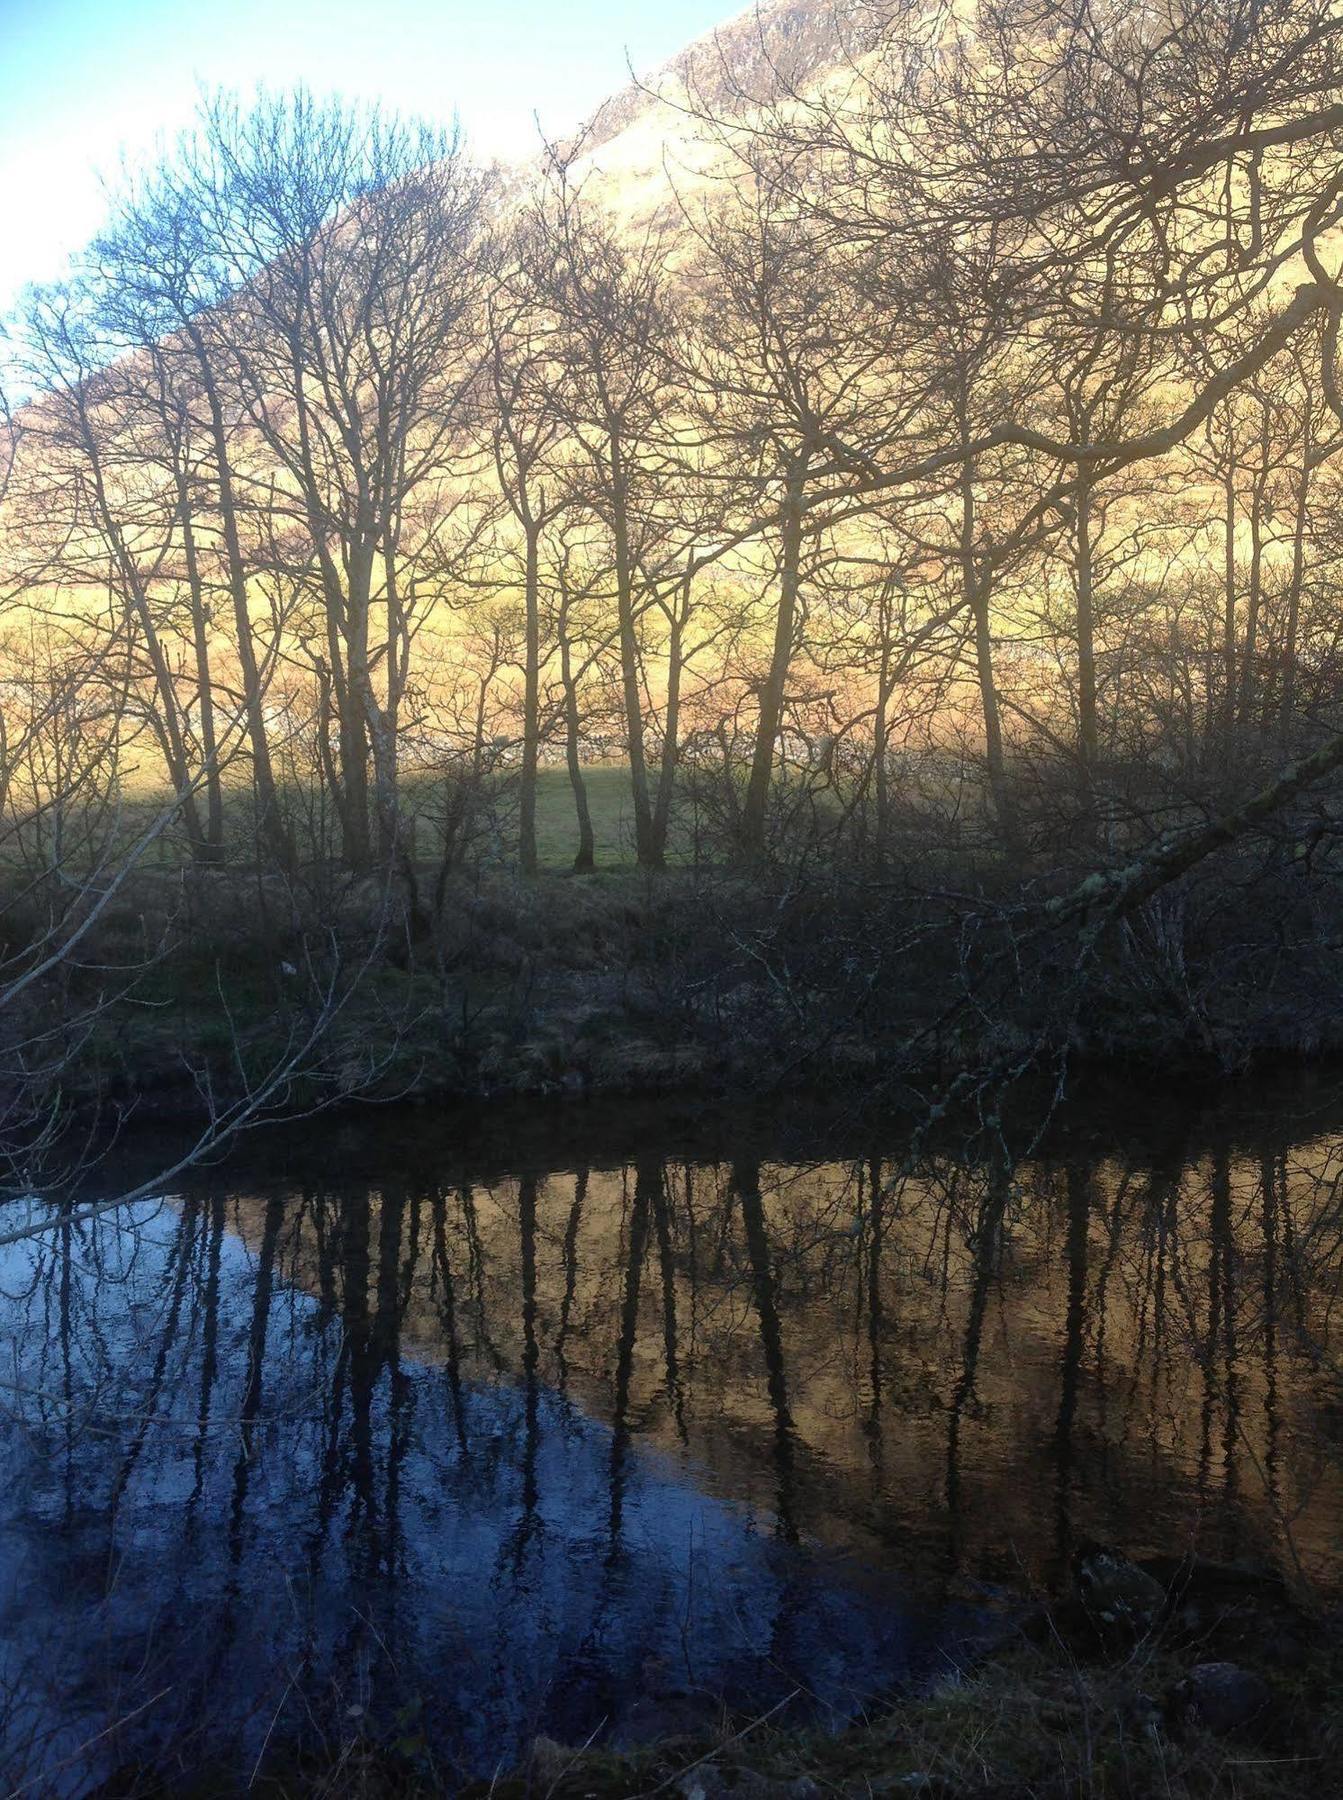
{"x": 863, "y": 592}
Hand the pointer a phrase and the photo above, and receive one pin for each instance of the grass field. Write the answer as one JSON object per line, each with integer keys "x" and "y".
{"x": 609, "y": 801}
{"x": 608, "y": 789}
{"x": 493, "y": 842}
{"x": 608, "y": 786}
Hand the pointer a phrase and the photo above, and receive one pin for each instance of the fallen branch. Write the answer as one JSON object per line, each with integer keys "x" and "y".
{"x": 1104, "y": 897}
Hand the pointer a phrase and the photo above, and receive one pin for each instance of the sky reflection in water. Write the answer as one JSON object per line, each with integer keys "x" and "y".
{"x": 598, "y": 1450}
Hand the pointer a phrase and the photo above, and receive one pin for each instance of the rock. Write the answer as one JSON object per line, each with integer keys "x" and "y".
{"x": 711, "y": 1782}
{"x": 1200, "y": 1578}
{"x": 1223, "y": 1698}
{"x": 905, "y": 1787}
{"x": 1286, "y": 1645}
{"x": 1228, "y": 1610}
{"x": 1117, "y": 1592}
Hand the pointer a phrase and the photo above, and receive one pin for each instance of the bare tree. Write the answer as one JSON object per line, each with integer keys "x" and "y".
{"x": 357, "y": 259}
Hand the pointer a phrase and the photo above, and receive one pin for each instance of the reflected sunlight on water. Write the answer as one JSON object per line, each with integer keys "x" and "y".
{"x": 602, "y": 1448}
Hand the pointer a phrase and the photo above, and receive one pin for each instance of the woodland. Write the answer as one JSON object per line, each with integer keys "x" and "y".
{"x": 855, "y": 592}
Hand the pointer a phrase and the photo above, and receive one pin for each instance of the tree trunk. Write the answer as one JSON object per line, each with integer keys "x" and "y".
{"x": 755, "y": 809}
{"x": 271, "y": 827}
{"x": 1228, "y": 709}
{"x": 1293, "y": 627}
{"x": 531, "y": 704}
{"x": 1088, "y": 735}
{"x": 396, "y": 839}
{"x": 167, "y": 717}
{"x": 213, "y": 847}
{"x": 629, "y": 660}
{"x": 585, "y": 860}
{"x": 881, "y": 779}
{"x": 978, "y": 590}
{"x": 1249, "y": 661}
{"x": 364, "y": 728}
{"x": 671, "y": 724}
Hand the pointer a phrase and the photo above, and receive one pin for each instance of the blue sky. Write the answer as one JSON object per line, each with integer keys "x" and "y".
{"x": 82, "y": 81}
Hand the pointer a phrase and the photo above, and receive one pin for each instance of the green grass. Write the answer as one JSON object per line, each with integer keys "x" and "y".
{"x": 495, "y": 843}
{"x": 612, "y": 811}
{"x": 609, "y": 800}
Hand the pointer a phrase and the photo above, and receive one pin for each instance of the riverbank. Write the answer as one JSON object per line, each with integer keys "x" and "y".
{"x": 1034, "y": 1727}
{"x": 1236, "y": 1691}
{"x": 622, "y": 984}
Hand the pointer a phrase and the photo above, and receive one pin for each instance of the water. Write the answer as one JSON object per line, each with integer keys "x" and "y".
{"x": 444, "y": 1434}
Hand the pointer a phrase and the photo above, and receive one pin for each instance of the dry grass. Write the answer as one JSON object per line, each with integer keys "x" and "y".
{"x": 1034, "y": 1724}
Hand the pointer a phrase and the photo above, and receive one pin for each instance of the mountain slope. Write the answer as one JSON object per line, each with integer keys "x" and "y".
{"x": 646, "y": 132}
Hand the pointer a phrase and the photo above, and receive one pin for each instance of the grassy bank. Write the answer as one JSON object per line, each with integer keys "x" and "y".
{"x": 838, "y": 964}
{"x": 1034, "y": 1724}
{"x": 623, "y": 982}
{"x": 1060, "y": 1709}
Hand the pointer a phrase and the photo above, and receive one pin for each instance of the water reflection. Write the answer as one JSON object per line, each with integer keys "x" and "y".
{"x": 590, "y": 1448}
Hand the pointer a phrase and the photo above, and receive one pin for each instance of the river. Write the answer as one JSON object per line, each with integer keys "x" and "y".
{"x": 445, "y": 1432}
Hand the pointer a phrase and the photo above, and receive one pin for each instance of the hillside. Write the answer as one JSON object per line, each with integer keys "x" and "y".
{"x": 643, "y": 139}
{"x": 750, "y": 57}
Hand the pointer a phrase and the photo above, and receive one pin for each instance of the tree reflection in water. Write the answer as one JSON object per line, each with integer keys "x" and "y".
{"x": 508, "y": 1453}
